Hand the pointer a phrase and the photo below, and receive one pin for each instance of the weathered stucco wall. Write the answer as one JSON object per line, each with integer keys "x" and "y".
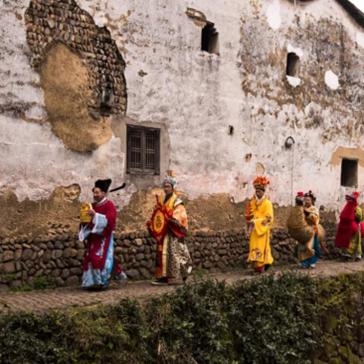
{"x": 195, "y": 96}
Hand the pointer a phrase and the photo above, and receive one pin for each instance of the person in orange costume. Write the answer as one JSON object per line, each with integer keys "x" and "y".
{"x": 173, "y": 261}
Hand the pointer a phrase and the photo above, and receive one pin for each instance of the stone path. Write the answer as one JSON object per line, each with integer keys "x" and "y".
{"x": 64, "y": 298}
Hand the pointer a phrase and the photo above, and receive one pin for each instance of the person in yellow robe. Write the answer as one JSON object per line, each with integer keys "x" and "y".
{"x": 259, "y": 218}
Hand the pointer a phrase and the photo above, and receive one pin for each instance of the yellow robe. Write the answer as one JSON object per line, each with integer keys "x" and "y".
{"x": 262, "y": 220}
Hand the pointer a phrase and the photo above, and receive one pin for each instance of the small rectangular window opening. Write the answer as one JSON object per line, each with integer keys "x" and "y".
{"x": 210, "y": 39}
{"x": 292, "y": 64}
{"x": 143, "y": 150}
{"x": 349, "y": 172}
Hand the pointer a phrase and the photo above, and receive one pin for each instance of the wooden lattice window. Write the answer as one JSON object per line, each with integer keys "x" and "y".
{"x": 143, "y": 145}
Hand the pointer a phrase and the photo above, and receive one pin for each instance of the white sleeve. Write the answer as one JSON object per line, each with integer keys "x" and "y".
{"x": 84, "y": 233}
{"x": 100, "y": 222}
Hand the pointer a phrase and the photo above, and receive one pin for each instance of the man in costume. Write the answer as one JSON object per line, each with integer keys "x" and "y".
{"x": 98, "y": 234}
{"x": 303, "y": 225}
{"x": 349, "y": 231}
{"x": 259, "y": 218}
{"x": 173, "y": 261}
{"x": 312, "y": 217}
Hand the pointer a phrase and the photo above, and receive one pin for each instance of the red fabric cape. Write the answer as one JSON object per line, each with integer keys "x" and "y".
{"x": 347, "y": 225}
{"x": 94, "y": 241}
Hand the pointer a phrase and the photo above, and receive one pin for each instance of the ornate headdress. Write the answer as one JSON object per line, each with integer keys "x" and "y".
{"x": 310, "y": 194}
{"x": 170, "y": 178}
{"x": 261, "y": 182}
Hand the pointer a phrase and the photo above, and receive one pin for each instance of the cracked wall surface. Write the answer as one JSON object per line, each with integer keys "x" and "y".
{"x": 196, "y": 97}
{"x": 323, "y": 112}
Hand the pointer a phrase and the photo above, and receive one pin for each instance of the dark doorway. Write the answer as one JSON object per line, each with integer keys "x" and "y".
{"x": 349, "y": 172}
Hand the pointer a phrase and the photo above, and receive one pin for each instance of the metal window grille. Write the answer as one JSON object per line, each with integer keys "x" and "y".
{"x": 143, "y": 150}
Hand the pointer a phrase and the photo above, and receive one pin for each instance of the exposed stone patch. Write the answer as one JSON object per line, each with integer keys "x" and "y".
{"x": 68, "y": 193}
{"x": 89, "y": 77}
{"x": 209, "y": 213}
{"x": 15, "y": 109}
{"x": 28, "y": 219}
{"x": 31, "y": 219}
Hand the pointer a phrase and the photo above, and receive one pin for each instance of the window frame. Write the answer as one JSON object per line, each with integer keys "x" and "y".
{"x": 292, "y": 64}
{"x": 342, "y": 180}
{"x": 210, "y": 38}
{"x": 143, "y": 130}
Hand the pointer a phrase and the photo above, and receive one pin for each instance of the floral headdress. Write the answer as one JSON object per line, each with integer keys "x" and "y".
{"x": 261, "y": 182}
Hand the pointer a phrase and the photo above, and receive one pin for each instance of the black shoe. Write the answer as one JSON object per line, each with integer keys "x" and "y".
{"x": 160, "y": 282}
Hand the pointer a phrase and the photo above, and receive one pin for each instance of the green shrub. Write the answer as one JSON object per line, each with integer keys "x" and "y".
{"x": 275, "y": 321}
{"x": 192, "y": 325}
{"x": 27, "y": 338}
{"x": 290, "y": 319}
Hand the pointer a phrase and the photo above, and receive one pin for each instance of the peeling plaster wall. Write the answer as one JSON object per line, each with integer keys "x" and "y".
{"x": 319, "y": 117}
{"x": 197, "y": 95}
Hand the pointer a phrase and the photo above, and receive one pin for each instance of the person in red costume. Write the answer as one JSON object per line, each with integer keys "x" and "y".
{"x": 98, "y": 235}
{"x": 350, "y": 228}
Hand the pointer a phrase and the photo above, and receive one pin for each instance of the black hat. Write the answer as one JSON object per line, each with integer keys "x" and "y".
{"x": 103, "y": 184}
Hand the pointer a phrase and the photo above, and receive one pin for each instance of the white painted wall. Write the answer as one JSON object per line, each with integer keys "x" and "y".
{"x": 194, "y": 94}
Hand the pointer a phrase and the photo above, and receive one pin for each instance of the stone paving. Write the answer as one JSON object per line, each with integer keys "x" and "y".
{"x": 64, "y": 298}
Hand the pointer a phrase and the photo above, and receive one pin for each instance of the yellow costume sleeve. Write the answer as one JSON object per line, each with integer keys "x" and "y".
{"x": 263, "y": 220}
{"x": 260, "y": 227}
{"x": 180, "y": 214}
{"x": 358, "y": 214}
{"x": 313, "y": 215}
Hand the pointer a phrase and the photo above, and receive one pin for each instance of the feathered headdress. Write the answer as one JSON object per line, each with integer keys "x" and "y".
{"x": 261, "y": 182}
